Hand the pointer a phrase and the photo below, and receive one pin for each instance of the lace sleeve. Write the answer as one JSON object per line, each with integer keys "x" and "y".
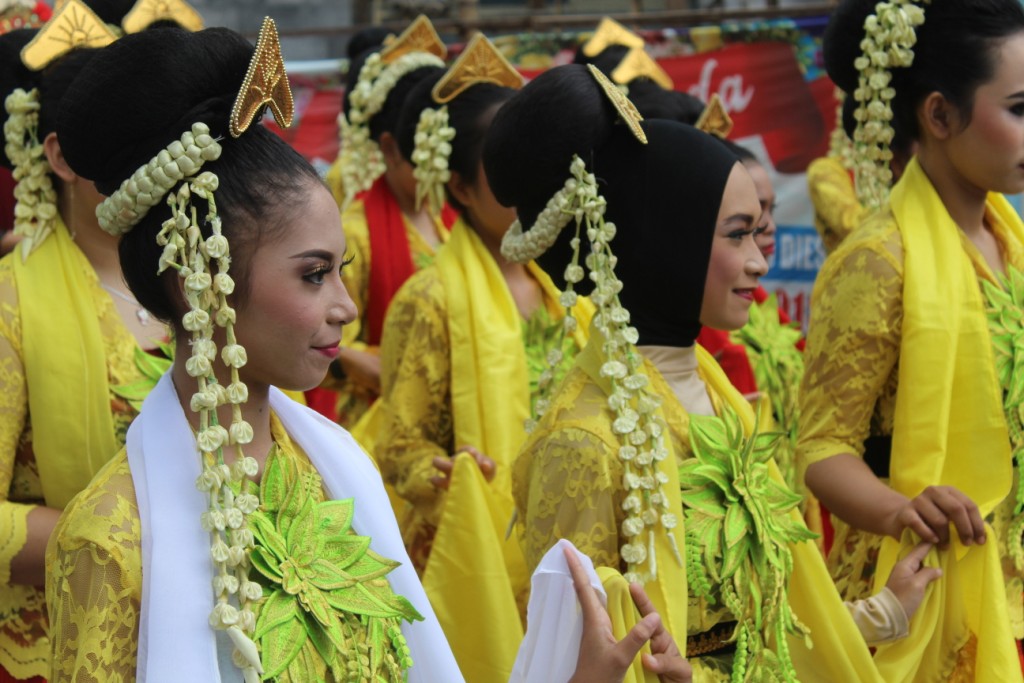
{"x": 13, "y": 415}
{"x": 835, "y": 202}
{"x": 416, "y": 412}
{"x": 853, "y": 343}
{"x": 567, "y": 485}
{"x": 93, "y": 588}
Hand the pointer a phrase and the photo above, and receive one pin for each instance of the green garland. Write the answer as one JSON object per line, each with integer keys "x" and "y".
{"x": 1005, "y": 313}
{"x": 778, "y": 368}
{"x": 739, "y": 524}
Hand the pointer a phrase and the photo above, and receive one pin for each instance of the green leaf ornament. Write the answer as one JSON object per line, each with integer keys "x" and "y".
{"x": 1004, "y": 309}
{"x": 328, "y": 606}
{"x": 152, "y": 369}
{"x": 739, "y": 524}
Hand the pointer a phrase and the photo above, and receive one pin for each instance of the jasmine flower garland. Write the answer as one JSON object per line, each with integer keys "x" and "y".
{"x": 35, "y": 212}
{"x": 430, "y": 157}
{"x": 888, "y": 43}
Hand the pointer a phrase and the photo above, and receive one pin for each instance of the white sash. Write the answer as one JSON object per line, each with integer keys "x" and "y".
{"x": 176, "y": 642}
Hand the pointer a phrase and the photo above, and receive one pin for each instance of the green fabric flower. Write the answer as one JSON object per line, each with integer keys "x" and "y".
{"x": 152, "y": 369}
{"x": 328, "y": 605}
{"x": 1005, "y": 313}
{"x": 778, "y": 368}
{"x": 738, "y": 528}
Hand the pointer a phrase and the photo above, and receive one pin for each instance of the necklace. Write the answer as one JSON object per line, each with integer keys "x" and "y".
{"x": 141, "y": 313}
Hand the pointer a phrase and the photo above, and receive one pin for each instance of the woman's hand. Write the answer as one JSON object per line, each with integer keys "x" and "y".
{"x": 910, "y": 578}
{"x": 445, "y": 466}
{"x": 362, "y": 369}
{"x": 602, "y": 659}
{"x": 930, "y": 514}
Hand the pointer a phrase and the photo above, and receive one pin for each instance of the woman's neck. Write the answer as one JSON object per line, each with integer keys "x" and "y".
{"x": 420, "y": 218}
{"x": 964, "y": 201}
{"x": 525, "y": 290}
{"x": 99, "y": 248}
{"x": 255, "y": 411}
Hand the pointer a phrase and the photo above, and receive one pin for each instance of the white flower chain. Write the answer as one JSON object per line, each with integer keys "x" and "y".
{"x": 147, "y": 187}
{"x": 433, "y": 148}
{"x": 888, "y": 43}
{"x": 35, "y": 210}
{"x": 376, "y": 81}
{"x": 637, "y": 424}
{"x": 185, "y": 251}
{"x": 840, "y": 146}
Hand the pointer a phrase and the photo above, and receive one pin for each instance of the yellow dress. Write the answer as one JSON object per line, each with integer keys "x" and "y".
{"x": 24, "y": 647}
{"x": 849, "y": 388}
{"x": 567, "y": 483}
{"x": 96, "y": 559}
{"x": 351, "y": 404}
{"x": 836, "y": 208}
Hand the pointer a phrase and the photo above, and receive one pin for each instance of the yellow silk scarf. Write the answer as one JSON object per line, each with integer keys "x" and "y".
{"x": 475, "y": 570}
{"x": 65, "y": 367}
{"x": 949, "y": 430}
{"x": 838, "y": 653}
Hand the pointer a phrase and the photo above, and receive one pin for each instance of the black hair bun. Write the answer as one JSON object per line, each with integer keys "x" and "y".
{"x": 139, "y": 94}
{"x": 841, "y": 43}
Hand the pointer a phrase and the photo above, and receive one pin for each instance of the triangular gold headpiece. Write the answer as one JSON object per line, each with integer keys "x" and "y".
{"x": 73, "y": 25}
{"x": 637, "y": 64}
{"x": 610, "y": 32}
{"x": 266, "y": 83}
{"x": 480, "y": 62}
{"x": 627, "y": 110}
{"x": 715, "y": 119}
{"x": 146, "y": 12}
{"x": 420, "y": 36}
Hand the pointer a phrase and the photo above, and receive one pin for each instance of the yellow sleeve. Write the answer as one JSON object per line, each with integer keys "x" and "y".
{"x": 853, "y": 343}
{"x": 567, "y": 484}
{"x": 13, "y": 415}
{"x": 334, "y": 181}
{"x": 834, "y": 198}
{"x": 94, "y": 586}
{"x": 416, "y": 410}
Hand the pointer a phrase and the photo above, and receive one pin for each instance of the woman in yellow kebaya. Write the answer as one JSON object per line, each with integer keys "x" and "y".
{"x": 908, "y": 414}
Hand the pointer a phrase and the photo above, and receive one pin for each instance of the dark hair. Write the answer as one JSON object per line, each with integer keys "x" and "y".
{"x": 654, "y": 102}
{"x": 386, "y": 120}
{"x": 606, "y": 60}
{"x": 954, "y": 53}
{"x": 470, "y": 114}
{"x": 145, "y": 91}
{"x": 741, "y": 152}
{"x": 368, "y": 39}
{"x": 663, "y": 196}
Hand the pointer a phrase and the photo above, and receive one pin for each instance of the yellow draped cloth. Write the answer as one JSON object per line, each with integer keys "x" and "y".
{"x": 838, "y": 653}
{"x": 72, "y": 429}
{"x": 476, "y": 572}
{"x": 948, "y": 430}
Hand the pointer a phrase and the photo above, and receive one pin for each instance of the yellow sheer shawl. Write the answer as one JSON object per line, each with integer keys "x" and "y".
{"x": 65, "y": 367}
{"x": 949, "y": 430}
{"x": 838, "y": 653}
{"x": 476, "y": 571}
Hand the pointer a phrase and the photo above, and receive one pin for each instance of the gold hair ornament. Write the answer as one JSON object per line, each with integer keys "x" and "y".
{"x": 636, "y": 422}
{"x": 715, "y": 119}
{"x": 73, "y": 25}
{"x": 265, "y": 84}
{"x": 638, "y": 64}
{"x": 147, "y": 12}
{"x": 361, "y": 161}
{"x": 610, "y": 32}
{"x": 480, "y": 62}
{"x": 889, "y": 38}
{"x": 626, "y": 109}
{"x": 35, "y": 209}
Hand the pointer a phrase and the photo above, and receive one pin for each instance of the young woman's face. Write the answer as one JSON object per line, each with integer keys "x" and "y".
{"x": 989, "y": 152}
{"x": 736, "y": 262}
{"x": 765, "y": 237}
{"x": 290, "y": 320}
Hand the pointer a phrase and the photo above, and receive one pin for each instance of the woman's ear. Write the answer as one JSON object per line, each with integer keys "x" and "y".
{"x": 938, "y": 117}
{"x": 54, "y": 155}
{"x": 389, "y": 149}
{"x": 461, "y": 190}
